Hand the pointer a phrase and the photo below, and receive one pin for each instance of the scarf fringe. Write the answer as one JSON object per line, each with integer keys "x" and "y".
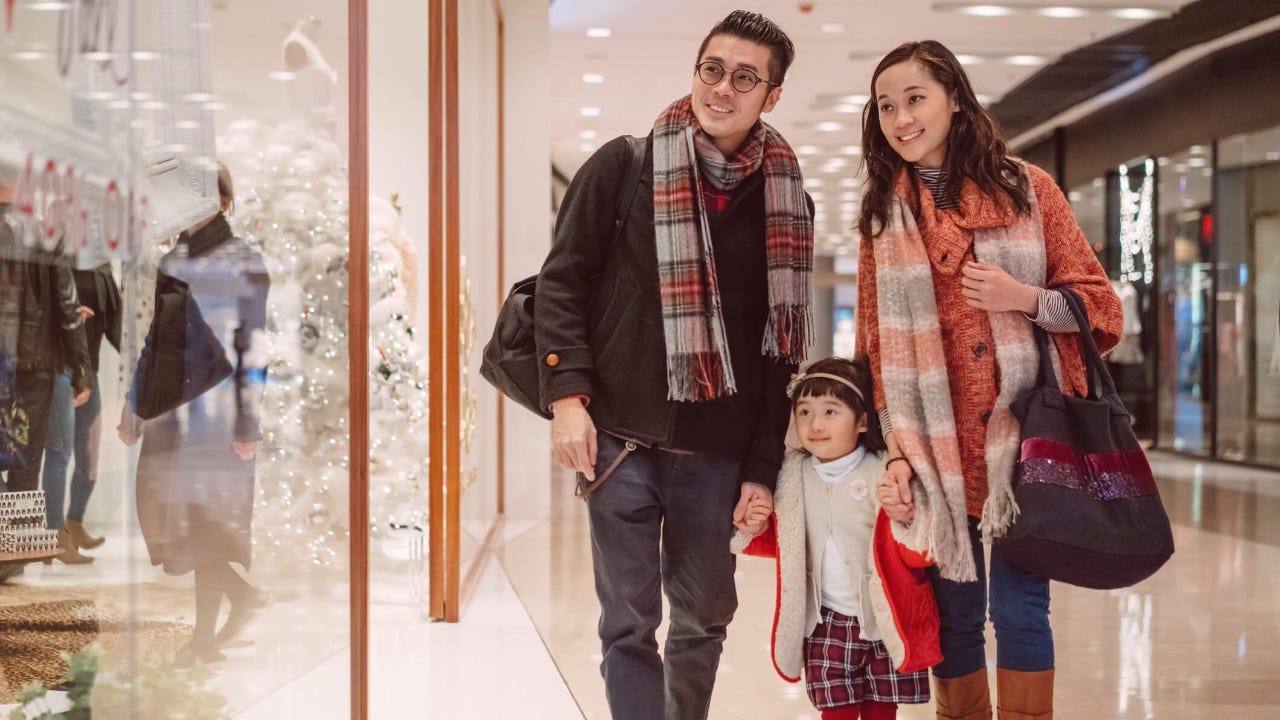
{"x": 693, "y": 377}
{"x": 787, "y": 331}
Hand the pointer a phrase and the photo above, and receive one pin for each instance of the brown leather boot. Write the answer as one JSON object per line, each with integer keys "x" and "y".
{"x": 967, "y": 697}
{"x": 81, "y": 537}
{"x": 70, "y": 553}
{"x": 1024, "y": 695}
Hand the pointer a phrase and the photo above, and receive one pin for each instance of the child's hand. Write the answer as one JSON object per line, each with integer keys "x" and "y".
{"x": 894, "y": 492}
{"x": 756, "y": 518}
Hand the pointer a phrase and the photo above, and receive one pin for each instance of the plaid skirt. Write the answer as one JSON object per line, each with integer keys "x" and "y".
{"x": 841, "y": 669}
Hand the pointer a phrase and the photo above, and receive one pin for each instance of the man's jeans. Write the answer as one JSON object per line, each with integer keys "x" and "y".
{"x": 1019, "y": 612}
{"x": 70, "y": 427}
{"x": 662, "y": 520}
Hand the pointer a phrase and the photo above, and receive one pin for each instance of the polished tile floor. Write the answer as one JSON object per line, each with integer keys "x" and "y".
{"x": 1200, "y": 639}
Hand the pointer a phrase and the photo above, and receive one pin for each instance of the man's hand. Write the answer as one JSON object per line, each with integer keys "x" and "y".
{"x": 894, "y": 492}
{"x": 130, "y": 427}
{"x": 755, "y": 505}
{"x": 81, "y": 398}
{"x": 573, "y": 436}
{"x": 990, "y": 288}
{"x": 86, "y": 312}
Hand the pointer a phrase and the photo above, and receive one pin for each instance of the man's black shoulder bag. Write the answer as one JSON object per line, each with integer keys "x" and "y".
{"x": 510, "y": 360}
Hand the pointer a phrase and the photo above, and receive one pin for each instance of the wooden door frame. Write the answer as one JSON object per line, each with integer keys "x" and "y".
{"x": 358, "y": 349}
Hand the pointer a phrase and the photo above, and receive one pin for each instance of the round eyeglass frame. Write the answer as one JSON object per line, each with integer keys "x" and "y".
{"x": 733, "y": 80}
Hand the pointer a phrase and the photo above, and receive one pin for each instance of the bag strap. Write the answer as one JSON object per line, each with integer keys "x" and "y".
{"x": 630, "y": 181}
{"x": 1089, "y": 348}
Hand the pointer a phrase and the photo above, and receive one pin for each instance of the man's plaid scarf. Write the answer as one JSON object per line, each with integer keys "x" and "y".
{"x": 698, "y": 362}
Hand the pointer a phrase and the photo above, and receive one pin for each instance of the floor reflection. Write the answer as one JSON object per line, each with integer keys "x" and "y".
{"x": 1200, "y": 639}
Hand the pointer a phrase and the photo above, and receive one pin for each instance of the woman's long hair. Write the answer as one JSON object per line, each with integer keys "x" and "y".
{"x": 974, "y": 147}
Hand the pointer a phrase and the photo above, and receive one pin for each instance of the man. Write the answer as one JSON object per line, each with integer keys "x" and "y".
{"x": 674, "y": 345}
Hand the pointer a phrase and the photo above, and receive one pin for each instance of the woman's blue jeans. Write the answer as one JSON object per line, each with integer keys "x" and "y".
{"x": 71, "y": 430}
{"x": 1019, "y": 604}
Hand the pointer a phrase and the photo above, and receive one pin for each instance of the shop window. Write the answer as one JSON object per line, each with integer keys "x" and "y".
{"x": 1247, "y": 238}
{"x": 1185, "y": 292}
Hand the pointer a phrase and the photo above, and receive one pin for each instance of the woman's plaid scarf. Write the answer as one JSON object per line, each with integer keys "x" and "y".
{"x": 917, "y": 389}
{"x": 698, "y": 363}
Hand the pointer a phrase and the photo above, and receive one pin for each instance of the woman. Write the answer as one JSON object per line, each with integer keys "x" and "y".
{"x": 963, "y": 249}
{"x": 196, "y": 468}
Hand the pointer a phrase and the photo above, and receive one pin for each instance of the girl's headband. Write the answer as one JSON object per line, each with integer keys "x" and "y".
{"x": 796, "y": 380}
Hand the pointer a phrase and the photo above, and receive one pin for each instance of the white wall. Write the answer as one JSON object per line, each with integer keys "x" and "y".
{"x": 528, "y": 231}
{"x": 398, "y": 161}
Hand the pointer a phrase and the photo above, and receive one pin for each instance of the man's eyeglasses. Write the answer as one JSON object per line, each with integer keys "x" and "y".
{"x": 742, "y": 79}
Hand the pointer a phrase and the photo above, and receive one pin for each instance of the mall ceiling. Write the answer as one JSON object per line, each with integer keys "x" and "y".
{"x": 616, "y": 63}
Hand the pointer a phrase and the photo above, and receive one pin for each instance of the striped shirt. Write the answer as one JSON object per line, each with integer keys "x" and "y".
{"x": 1053, "y": 314}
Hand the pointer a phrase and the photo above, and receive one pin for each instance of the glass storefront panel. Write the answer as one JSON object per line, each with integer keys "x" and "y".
{"x": 1185, "y": 282}
{"x": 210, "y": 452}
{"x": 1247, "y": 232}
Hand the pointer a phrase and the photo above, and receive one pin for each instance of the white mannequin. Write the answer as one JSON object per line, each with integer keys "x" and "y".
{"x": 310, "y": 91}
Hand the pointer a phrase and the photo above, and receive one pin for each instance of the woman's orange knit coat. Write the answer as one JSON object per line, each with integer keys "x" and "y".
{"x": 966, "y": 331}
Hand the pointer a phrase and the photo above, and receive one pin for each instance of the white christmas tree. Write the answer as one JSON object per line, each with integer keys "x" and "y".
{"x": 292, "y": 205}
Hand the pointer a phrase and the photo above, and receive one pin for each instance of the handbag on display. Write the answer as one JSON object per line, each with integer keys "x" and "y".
{"x": 184, "y": 356}
{"x": 1089, "y": 511}
{"x": 510, "y": 358}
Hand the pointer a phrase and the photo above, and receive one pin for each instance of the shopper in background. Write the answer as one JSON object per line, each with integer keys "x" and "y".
{"x": 41, "y": 333}
{"x": 677, "y": 342}
{"x": 77, "y": 429}
{"x": 962, "y": 247}
{"x": 195, "y": 486}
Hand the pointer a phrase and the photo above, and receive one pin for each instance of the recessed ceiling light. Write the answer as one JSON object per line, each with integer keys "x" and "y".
{"x": 599, "y": 32}
{"x": 985, "y": 10}
{"x": 1272, "y": 156}
{"x": 846, "y": 109}
{"x": 588, "y": 134}
{"x": 592, "y": 78}
{"x": 1141, "y": 13}
{"x": 590, "y": 111}
{"x": 849, "y": 182}
{"x": 586, "y": 147}
{"x": 1197, "y": 162}
{"x": 808, "y": 150}
{"x": 1063, "y": 12}
{"x": 829, "y": 126}
{"x": 28, "y": 55}
{"x": 146, "y": 55}
{"x": 1054, "y": 10}
{"x": 832, "y": 27}
{"x": 969, "y": 59}
{"x": 813, "y": 183}
{"x": 850, "y": 150}
{"x": 1026, "y": 60}
{"x": 984, "y": 99}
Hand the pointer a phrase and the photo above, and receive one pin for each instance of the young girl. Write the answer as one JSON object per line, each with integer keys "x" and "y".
{"x": 854, "y": 607}
{"x": 963, "y": 248}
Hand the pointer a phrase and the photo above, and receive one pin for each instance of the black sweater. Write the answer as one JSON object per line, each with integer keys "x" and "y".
{"x": 599, "y": 312}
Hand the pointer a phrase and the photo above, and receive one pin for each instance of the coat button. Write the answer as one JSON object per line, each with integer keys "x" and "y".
{"x": 980, "y": 349}
{"x": 986, "y": 416}
{"x": 553, "y": 360}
